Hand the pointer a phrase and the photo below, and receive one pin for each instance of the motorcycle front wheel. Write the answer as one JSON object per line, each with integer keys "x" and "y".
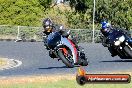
{"x": 128, "y": 51}
{"x": 67, "y": 60}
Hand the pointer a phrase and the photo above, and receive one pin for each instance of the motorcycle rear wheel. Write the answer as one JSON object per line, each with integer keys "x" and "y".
{"x": 83, "y": 59}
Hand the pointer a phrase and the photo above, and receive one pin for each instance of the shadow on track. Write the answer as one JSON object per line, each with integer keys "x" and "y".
{"x": 56, "y": 67}
{"x": 118, "y": 61}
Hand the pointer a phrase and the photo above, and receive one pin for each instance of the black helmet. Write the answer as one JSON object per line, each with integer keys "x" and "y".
{"x": 47, "y": 25}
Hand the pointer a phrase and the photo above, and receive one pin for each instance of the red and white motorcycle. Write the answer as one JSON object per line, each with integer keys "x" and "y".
{"x": 62, "y": 47}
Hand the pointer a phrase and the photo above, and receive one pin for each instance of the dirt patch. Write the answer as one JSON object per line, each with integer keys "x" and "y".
{"x": 35, "y": 79}
{"x": 2, "y": 62}
{"x": 7, "y": 37}
{"x": 6, "y": 63}
{"x": 62, "y": 7}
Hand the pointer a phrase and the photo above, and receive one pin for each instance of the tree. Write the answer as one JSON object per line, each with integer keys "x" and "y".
{"x": 30, "y": 12}
{"x": 45, "y": 3}
{"x": 118, "y": 12}
{"x": 20, "y": 12}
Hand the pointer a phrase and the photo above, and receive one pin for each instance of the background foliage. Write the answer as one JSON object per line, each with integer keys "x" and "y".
{"x": 32, "y": 12}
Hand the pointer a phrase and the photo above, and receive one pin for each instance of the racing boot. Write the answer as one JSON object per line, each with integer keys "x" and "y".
{"x": 82, "y": 58}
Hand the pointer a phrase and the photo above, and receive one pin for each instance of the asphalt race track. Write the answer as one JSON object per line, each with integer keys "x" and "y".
{"x": 36, "y": 61}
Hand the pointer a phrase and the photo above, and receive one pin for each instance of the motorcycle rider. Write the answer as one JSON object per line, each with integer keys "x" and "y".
{"x": 106, "y": 27}
{"x": 50, "y": 27}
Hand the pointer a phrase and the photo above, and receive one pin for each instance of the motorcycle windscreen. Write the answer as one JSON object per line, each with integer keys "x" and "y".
{"x": 53, "y": 38}
{"x": 115, "y": 34}
{"x": 71, "y": 46}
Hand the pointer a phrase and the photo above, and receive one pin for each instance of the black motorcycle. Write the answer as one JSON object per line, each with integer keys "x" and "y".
{"x": 64, "y": 49}
{"x": 119, "y": 43}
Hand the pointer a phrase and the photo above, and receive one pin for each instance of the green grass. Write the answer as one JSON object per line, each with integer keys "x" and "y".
{"x": 65, "y": 84}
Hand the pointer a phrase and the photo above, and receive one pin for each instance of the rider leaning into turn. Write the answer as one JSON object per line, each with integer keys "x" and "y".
{"x": 50, "y": 27}
{"x": 106, "y": 27}
{"x": 105, "y": 30}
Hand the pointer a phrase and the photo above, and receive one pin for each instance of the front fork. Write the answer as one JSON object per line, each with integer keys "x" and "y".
{"x": 126, "y": 43}
{"x": 121, "y": 48}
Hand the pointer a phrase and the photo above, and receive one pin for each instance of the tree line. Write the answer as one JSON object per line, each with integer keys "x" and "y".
{"x": 80, "y": 14}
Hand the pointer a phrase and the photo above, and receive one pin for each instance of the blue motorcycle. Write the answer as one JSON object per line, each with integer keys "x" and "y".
{"x": 120, "y": 43}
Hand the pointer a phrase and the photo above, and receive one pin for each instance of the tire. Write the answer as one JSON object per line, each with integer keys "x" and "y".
{"x": 64, "y": 60}
{"x": 83, "y": 59}
{"x": 85, "y": 63}
{"x": 128, "y": 51}
{"x": 123, "y": 56}
{"x": 81, "y": 80}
